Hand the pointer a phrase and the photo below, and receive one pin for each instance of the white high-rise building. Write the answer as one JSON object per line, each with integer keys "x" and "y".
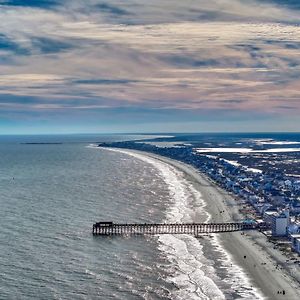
{"x": 279, "y": 223}
{"x": 295, "y": 240}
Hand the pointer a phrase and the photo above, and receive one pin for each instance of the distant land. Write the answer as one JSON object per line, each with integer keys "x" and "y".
{"x": 42, "y": 143}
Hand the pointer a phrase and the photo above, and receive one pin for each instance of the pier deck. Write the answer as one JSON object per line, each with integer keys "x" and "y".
{"x": 110, "y": 228}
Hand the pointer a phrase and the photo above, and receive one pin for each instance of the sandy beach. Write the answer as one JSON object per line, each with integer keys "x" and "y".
{"x": 250, "y": 250}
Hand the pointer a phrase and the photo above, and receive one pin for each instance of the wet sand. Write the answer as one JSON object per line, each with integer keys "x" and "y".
{"x": 250, "y": 250}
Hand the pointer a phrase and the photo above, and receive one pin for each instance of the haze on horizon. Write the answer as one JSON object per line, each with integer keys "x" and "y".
{"x": 149, "y": 66}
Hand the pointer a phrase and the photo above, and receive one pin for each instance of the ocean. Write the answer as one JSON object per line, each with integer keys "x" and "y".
{"x": 52, "y": 193}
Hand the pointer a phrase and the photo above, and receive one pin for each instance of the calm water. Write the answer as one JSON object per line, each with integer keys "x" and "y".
{"x": 50, "y": 197}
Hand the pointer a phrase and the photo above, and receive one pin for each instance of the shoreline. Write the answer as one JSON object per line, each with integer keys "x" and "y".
{"x": 251, "y": 250}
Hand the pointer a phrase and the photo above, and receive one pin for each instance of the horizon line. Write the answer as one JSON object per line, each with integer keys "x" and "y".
{"x": 151, "y": 133}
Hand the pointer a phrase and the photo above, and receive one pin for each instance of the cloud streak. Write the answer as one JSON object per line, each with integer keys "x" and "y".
{"x": 205, "y": 56}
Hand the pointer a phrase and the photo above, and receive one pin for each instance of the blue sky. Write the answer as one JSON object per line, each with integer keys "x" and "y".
{"x": 149, "y": 66}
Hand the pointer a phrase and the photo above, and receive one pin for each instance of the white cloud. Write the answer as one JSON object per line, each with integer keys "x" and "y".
{"x": 175, "y": 54}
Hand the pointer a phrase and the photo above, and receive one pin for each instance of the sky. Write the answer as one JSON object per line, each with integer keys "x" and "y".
{"x": 96, "y": 66}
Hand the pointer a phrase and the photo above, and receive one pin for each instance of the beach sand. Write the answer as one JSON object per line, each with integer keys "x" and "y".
{"x": 250, "y": 250}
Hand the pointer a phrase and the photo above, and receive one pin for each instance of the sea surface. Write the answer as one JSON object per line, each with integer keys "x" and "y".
{"x": 52, "y": 193}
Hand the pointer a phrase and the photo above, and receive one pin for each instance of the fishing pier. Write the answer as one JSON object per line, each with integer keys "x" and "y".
{"x": 110, "y": 228}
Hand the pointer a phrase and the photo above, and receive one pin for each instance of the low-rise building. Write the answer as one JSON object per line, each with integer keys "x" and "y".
{"x": 295, "y": 240}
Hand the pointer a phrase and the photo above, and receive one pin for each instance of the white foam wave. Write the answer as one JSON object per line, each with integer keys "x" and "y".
{"x": 236, "y": 276}
{"x": 190, "y": 269}
{"x": 187, "y": 251}
{"x": 186, "y": 254}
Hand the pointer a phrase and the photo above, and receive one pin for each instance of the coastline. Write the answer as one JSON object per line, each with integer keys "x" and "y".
{"x": 250, "y": 250}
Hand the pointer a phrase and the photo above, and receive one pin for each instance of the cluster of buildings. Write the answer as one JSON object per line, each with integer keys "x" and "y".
{"x": 274, "y": 196}
{"x": 263, "y": 191}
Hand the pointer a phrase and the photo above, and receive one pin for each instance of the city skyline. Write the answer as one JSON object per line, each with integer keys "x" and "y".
{"x": 149, "y": 66}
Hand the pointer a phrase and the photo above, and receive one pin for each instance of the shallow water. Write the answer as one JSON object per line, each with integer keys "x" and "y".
{"x": 52, "y": 194}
